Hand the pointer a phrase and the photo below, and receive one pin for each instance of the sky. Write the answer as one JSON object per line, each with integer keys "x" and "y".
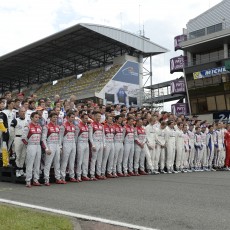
{"x": 26, "y": 21}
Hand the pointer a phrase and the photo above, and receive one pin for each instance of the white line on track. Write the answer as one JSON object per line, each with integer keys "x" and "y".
{"x": 76, "y": 215}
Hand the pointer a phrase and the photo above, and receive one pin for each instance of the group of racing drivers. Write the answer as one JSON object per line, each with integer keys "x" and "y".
{"x": 106, "y": 142}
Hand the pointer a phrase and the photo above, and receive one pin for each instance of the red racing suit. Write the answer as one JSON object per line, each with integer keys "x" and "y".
{"x": 119, "y": 148}
{"x": 51, "y": 141}
{"x": 82, "y": 135}
{"x": 128, "y": 133}
{"x": 108, "y": 155}
{"x": 32, "y": 137}
{"x": 227, "y": 144}
{"x": 68, "y": 138}
{"x": 97, "y": 140}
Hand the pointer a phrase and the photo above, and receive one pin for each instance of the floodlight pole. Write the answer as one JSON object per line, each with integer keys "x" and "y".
{"x": 151, "y": 80}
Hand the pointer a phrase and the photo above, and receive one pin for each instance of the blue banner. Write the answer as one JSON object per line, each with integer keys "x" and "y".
{"x": 129, "y": 73}
{"x": 209, "y": 72}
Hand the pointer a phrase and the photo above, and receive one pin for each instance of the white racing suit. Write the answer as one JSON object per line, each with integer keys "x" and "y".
{"x": 160, "y": 150}
{"x": 119, "y": 149}
{"x": 171, "y": 148}
{"x": 204, "y": 150}
{"x": 68, "y": 140}
{"x": 198, "y": 153}
{"x": 16, "y": 131}
{"x": 140, "y": 152}
{"x": 82, "y": 135}
{"x": 151, "y": 143}
{"x": 32, "y": 137}
{"x": 210, "y": 149}
{"x": 108, "y": 155}
{"x": 192, "y": 149}
{"x": 51, "y": 141}
{"x": 186, "y": 151}
{"x": 219, "y": 148}
{"x": 128, "y": 133}
{"x": 179, "y": 150}
{"x": 97, "y": 140}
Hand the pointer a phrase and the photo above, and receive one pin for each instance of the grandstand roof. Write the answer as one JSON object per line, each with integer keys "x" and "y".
{"x": 71, "y": 51}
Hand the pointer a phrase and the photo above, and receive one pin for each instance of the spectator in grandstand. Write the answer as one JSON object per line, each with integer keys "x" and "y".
{"x": 10, "y": 113}
{"x": 30, "y": 110}
{"x": 117, "y": 110}
{"x": 60, "y": 118}
{"x": 25, "y": 104}
{"x": 40, "y": 111}
{"x": 48, "y": 104}
{"x": 102, "y": 110}
{"x": 17, "y": 106}
{"x": 42, "y": 104}
{"x": 7, "y": 95}
{"x": 34, "y": 97}
{"x": 20, "y": 96}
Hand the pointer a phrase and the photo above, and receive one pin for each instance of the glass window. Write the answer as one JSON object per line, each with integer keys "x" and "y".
{"x": 199, "y": 83}
{"x": 214, "y": 28}
{"x": 197, "y": 33}
{"x": 207, "y": 81}
{"x": 194, "y": 106}
{"x": 217, "y": 79}
{"x": 210, "y": 29}
{"x": 211, "y": 102}
{"x": 190, "y": 84}
{"x": 227, "y": 96}
{"x": 202, "y": 105}
{"x": 218, "y": 27}
{"x": 220, "y": 101}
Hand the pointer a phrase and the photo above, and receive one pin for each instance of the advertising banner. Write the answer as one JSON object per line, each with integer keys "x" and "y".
{"x": 177, "y": 86}
{"x": 177, "y": 41}
{"x": 222, "y": 116}
{"x": 179, "y": 109}
{"x": 209, "y": 72}
{"x": 177, "y": 64}
{"x": 124, "y": 88}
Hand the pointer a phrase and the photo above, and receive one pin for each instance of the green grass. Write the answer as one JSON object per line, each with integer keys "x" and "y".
{"x": 14, "y": 218}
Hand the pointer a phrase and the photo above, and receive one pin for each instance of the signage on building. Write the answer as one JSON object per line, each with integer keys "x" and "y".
{"x": 222, "y": 116}
{"x": 177, "y": 41}
{"x": 124, "y": 87}
{"x": 177, "y": 64}
{"x": 209, "y": 72}
{"x": 177, "y": 86}
{"x": 179, "y": 109}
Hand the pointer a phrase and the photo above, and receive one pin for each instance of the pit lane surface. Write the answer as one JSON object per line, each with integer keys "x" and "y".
{"x": 198, "y": 200}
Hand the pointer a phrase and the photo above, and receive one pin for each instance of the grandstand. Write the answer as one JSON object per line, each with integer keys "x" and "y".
{"x": 84, "y": 49}
{"x": 86, "y": 86}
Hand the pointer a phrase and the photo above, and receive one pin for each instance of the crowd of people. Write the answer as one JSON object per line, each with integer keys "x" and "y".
{"x": 94, "y": 142}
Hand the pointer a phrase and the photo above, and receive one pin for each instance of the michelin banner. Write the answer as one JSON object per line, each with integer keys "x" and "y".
{"x": 209, "y": 72}
{"x": 124, "y": 87}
